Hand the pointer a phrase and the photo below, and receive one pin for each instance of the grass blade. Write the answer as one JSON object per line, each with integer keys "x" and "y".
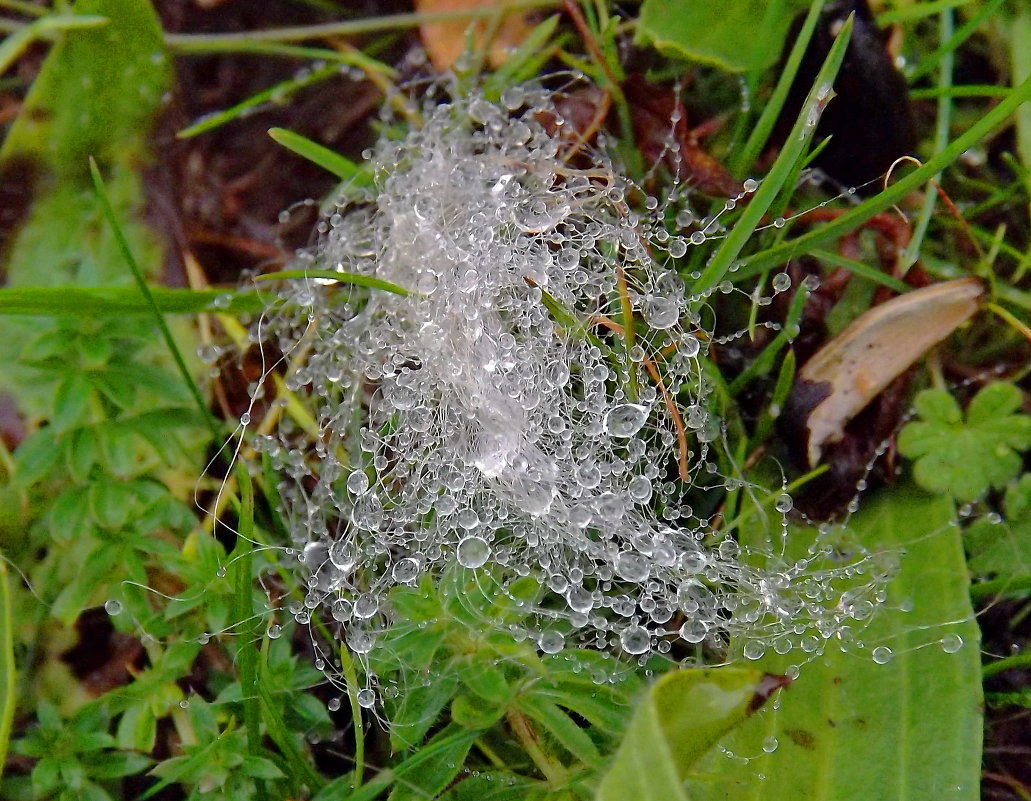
{"x": 343, "y": 278}
{"x": 341, "y": 166}
{"x": 76, "y": 301}
{"x": 782, "y": 168}
{"x": 130, "y": 260}
{"x": 777, "y": 255}
{"x": 7, "y": 670}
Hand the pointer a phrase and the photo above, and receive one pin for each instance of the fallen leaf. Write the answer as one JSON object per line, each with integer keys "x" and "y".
{"x": 846, "y": 374}
{"x": 446, "y": 41}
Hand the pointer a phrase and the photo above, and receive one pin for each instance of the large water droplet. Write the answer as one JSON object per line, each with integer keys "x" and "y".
{"x": 635, "y": 640}
{"x": 626, "y": 419}
{"x": 473, "y": 552}
{"x": 882, "y": 655}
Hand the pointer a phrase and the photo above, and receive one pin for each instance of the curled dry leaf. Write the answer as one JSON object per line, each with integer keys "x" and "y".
{"x": 853, "y": 368}
{"x": 446, "y": 41}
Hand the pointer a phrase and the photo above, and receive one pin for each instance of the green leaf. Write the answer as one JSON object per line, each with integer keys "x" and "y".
{"x": 966, "y": 458}
{"x": 710, "y": 30}
{"x": 679, "y": 719}
{"x": 434, "y": 766}
{"x": 71, "y": 400}
{"x": 851, "y": 728}
{"x": 1002, "y": 550}
{"x": 81, "y": 105}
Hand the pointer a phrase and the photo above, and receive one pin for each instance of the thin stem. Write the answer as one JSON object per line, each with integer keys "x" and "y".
{"x": 351, "y": 679}
{"x": 220, "y": 42}
{"x": 1021, "y": 660}
{"x": 554, "y": 772}
{"x": 941, "y": 141}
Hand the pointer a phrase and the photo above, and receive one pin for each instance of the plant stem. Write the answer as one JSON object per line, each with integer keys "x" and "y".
{"x": 1021, "y": 660}
{"x": 220, "y": 42}
{"x": 554, "y": 772}
{"x": 351, "y": 678}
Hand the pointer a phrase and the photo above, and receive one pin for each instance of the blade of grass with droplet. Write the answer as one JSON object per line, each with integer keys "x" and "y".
{"x": 331, "y": 161}
{"x": 780, "y": 253}
{"x": 743, "y": 159}
{"x": 343, "y": 278}
{"x": 782, "y": 168}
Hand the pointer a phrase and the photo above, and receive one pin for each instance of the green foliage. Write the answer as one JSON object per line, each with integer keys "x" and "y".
{"x": 710, "y": 31}
{"x": 966, "y": 455}
{"x": 75, "y": 759}
{"x": 1000, "y": 548}
{"x": 679, "y": 719}
{"x": 95, "y": 505}
{"x": 904, "y": 722}
{"x": 217, "y": 764}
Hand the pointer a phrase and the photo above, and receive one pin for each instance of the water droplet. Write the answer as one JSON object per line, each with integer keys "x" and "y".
{"x": 275, "y": 632}
{"x": 781, "y": 282}
{"x": 626, "y": 419}
{"x": 551, "y": 642}
{"x": 405, "y": 570}
{"x": 113, "y": 607}
{"x": 770, "y": 744}
{"x": 333, "y": 705}
{"x": 784, "y": 503}
{"x": 951, "y": 643}
{"x": 632, "y": 566}
{"x": 473, "y": 552}
{"x": 366, "y": 698}
{"x": 358, "y": 483}
{"x": 882, "y": 655}
{"x": 635, "y": 640}
{"x": 754, "y": 649}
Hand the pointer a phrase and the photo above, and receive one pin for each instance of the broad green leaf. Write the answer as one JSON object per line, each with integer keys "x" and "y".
{"x": 679, "y": 719}
{"x": 852, "y": 728}
{"x": 711, "y": 31}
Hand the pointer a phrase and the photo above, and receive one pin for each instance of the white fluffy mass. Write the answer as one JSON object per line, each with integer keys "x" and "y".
{"x": 502, "y": 415}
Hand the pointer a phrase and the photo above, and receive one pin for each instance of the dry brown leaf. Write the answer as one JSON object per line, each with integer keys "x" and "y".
{"x": 850, "y": 370}
{"x": 445, "y": 41}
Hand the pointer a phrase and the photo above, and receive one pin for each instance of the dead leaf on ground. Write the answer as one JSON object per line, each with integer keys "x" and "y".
{"x": 445, "y": 41}
{"x": 854, "y": 367}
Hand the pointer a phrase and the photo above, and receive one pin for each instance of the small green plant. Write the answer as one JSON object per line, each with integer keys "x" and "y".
{"x": 967, "y": 454}
{"x": 76, "y": 758}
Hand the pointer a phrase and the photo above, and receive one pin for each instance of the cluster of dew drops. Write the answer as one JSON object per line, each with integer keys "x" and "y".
{"x": 497, "y": 417}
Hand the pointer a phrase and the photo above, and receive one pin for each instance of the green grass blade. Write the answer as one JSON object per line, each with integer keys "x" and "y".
{"x": 861, "y": 269}
{"x": 279, "y": 93}
{"x": 244, "y": 603}
{"x": 756, "y": 141}
{"x": 77, "y": 301}
{"x": 343, "y": 278}
{"x": 777, "y": 255}
{"x": 7, "y": 669}
{"x": 772, "y": 184}
{"x": 303, "y": 772}
{"x": 14, "y": 45}
{"x": 130, "y": 260}
{"x": 331, "y": 161}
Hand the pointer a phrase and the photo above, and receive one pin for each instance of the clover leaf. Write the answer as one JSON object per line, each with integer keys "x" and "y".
{"x": 967, "y": 455}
